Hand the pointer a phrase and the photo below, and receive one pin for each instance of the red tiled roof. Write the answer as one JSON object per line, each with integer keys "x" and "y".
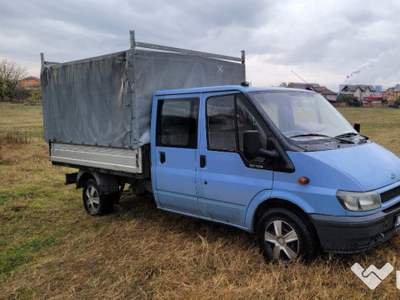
{"x": 313, "y": 87}
{"x": 31, "y": 77}
{"x": 373, "y": 97}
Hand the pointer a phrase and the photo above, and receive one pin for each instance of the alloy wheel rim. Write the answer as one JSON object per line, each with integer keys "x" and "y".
{"x": 92, "y": 199}
{"x": 282, "y": 241}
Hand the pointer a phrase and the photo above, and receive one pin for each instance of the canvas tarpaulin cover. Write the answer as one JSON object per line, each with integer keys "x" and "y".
{"x": 107, "y": 100}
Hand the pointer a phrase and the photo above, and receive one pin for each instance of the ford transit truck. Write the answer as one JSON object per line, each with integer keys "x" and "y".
{"x": 278, "y": 162}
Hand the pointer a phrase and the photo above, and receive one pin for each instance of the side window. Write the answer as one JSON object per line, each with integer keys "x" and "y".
{"x": 246, "y": 121}
{"x": 227, "y": 120}
{"x": 221, "y": 123}
{"x": 177, "y": 121}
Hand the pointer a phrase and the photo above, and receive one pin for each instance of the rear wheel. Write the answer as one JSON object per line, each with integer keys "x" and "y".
{"x": 95, "y": 202}
{"x": 284, "y": 236}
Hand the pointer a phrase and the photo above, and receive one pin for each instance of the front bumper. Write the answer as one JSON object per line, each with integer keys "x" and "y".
{"x": 354, "y": 234}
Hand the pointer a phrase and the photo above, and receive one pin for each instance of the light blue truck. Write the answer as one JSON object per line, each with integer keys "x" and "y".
{"x": 280, "y": 163}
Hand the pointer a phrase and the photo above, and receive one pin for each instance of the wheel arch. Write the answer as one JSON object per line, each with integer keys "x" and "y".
{"x": 278, "y": 203}
{"x": 82, "y": 177}
{"x": 285, "y": 204}
{"x": 108, "y": 183}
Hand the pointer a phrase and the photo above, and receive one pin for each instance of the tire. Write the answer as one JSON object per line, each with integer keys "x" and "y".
{"x": 284, "y": 236}
{"x": 94, "y": 201}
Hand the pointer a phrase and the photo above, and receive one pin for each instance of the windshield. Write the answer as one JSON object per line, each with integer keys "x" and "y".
{"x": 302, "y": 114}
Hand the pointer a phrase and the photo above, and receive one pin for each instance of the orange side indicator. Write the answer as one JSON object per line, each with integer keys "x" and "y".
{"x": 304, "y": 180}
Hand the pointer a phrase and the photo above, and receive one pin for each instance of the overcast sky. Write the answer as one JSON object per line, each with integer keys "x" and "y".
{"x": 322, "y": 41}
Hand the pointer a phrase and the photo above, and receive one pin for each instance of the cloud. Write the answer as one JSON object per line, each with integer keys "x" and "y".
{"x": 382, "y": 70}
{"x": 322, "y": 41}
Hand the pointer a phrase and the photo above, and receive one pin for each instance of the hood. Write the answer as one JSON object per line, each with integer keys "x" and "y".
{"x": 371, "y": 165}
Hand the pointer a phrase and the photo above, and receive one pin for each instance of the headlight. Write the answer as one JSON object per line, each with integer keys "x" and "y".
{"x": 353, "y": 201}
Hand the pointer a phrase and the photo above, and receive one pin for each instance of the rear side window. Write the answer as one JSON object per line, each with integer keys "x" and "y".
{"x": 177, "y": 121}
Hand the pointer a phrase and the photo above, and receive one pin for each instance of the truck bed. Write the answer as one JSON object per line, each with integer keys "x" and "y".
{"x": 97, "y": 111}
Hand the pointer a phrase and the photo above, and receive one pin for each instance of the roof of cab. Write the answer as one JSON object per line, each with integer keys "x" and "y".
{"x": 225, "y": 88}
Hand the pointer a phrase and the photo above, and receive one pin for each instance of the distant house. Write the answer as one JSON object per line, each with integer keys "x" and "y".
{"x": 360, "y": 91}
{"x": 392, "y": 93}
{"x": 326, "y": 93}
{"x": 372, "y": 100}
{"x": 28, "y": 82}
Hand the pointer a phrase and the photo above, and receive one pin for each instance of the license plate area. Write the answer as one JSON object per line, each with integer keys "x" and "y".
{"x": 397, "y": 221}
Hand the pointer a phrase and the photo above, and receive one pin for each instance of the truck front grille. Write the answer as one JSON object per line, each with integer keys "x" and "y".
{"x": 390, "y": 194}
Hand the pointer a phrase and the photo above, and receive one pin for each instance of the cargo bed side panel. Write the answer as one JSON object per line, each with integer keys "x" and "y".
{"x": 115, "y": 159}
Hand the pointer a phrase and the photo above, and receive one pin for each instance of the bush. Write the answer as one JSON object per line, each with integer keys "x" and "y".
{"x": 35, "y": 96}
{"x": 345, "y": 98}
{"x": 397, "y": 102}
{"x": 349, "y": 99}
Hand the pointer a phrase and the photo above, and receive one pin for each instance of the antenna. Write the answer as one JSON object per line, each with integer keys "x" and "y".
{"x": 305, "y": 82}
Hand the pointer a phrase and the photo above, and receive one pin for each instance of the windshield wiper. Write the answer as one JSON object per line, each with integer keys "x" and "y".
{"x": 322, "y": 135}
{"x": 310, "y": 134}
{"x": 346, "y": 134}
{"x": 352, "y": 134}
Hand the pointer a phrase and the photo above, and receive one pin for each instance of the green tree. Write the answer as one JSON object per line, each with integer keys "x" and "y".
{"x": 286, "y": 85}
{"x": 345, "y": 98}
{"x": 397, "y": 102}
{"x": 35, "y": 97}
{"x": 349, "y": 99}
{"x": 10, "y": 75}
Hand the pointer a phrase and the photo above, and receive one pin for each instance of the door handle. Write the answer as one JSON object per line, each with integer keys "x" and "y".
{"x": 162, "y": 157}
{"x": 202, "y": 161}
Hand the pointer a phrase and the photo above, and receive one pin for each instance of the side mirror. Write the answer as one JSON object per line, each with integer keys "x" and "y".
{"x": 251, "y": 143}
{"x": 357, "y": 127}
{"x": 251, "y": 146}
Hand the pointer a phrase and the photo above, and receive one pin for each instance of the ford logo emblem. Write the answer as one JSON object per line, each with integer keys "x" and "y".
{"x": 392, "y": 176}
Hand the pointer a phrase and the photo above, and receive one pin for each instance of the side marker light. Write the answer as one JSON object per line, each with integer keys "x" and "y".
{"x": 304, "y": 180}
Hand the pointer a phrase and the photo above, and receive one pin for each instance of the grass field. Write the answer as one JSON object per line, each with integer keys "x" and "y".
{"x": 50, "y": 247}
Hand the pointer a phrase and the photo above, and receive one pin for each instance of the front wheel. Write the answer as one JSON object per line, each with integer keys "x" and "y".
{"x": 95, "y": 202}
{"x": 284, "y": 236}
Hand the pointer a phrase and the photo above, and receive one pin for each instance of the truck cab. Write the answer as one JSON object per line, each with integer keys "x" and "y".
{"x": 282, "y": 163}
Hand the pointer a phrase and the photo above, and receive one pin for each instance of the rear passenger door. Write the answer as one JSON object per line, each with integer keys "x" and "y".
{"x": 174, "y": 159}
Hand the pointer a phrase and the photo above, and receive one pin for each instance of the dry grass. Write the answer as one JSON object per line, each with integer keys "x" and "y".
{"x": 382, "y": 125}
{"x": 50, "y": 248}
